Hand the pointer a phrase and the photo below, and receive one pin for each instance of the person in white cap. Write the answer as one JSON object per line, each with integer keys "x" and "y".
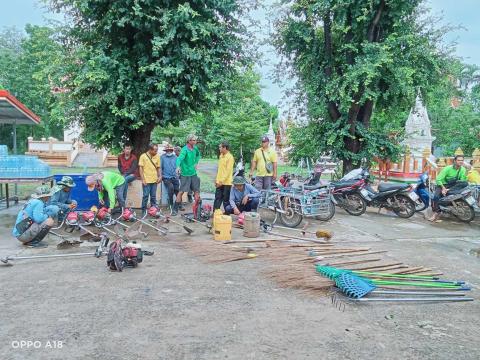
{"x": 265, "y": 162}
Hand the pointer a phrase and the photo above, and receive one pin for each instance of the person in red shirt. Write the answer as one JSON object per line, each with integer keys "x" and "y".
{"x": 128, "y": 167}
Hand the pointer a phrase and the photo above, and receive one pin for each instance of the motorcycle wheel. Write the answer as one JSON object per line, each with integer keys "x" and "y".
{"x": 465, "y": 212}
{"x": 355, "y": 204}
{"x": 328, "y": 215}
{"x": 405, "y": 208}
{"x": 420, "y": 205}
{"x": 290, "y": 218}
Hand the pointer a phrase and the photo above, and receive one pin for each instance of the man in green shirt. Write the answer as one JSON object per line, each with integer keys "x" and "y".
{"x": 447, "y": 178}
{"x": 187, "y": 163}
{"x": 110, "y": 183}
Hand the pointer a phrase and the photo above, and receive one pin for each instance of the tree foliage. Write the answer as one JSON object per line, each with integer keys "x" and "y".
{"x": 30, "y": 63}
{"x": 241, "y": 118}
{"x": 354, "y": 59}
{"x": 138, "y": 64}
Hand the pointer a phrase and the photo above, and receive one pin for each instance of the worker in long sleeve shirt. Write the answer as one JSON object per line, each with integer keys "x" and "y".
{"x": 110, "y": 183}
{"x": 243, "y": 197}
{"x": 41, "y": 217}
{"x": 62, "y": 196}
{"x": 445, "y": 180}
{"x": 168, "y": 163}
{"x": 128, "y": 167}
{"x": 223, "y": 181}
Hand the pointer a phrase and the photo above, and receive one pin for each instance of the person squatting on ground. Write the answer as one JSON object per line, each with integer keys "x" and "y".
{"x": 110, "y": 187}
{"x": 447, "y": 178}
{"x": 243, "y": 197}
{"x": 223, "y": 181}
{"x": 151, "y": 175}
{"x": 62, "y": 197}
{"x": 187, "y": 163}
{"x": 168, "y": 163}
{"x": 265, "y": 162}
{"x": 128, "y": 167}
{"x": 35, "y": 219}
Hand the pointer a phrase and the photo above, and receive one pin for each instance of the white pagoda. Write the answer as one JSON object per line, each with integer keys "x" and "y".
{"x": 271, "y": 135}
{"x": 417, "y": 129}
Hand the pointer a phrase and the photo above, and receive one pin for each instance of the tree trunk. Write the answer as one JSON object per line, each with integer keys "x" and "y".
{"x": 140, "y": 138}
{"x": 347, "y": 165}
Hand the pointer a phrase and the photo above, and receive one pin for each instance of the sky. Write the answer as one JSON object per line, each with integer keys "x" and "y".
{"x": 18, "y": 13}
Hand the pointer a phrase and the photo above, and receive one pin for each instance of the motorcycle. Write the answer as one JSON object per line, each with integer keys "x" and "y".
{"x": 423, "y": 192}
{"x": 399, "y": 198}
{"x": 349, "y": 193}
{"x": 459, "y": 202}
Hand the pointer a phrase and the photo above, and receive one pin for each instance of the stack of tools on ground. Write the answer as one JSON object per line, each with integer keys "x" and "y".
{"x": 356, "y": 285}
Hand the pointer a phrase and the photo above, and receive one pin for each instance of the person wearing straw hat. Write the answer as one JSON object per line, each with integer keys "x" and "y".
{"x": 187, "y": 163}
{"x": 168, "y": 163}
{"x": 243, "y": 197}
{"x": 110, "y": 187}
{"x": 35, "y": 219}
{"x": 62, "y": 196}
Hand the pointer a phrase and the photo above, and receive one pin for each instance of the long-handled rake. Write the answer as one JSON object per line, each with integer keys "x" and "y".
{"x": 356, "y": 288}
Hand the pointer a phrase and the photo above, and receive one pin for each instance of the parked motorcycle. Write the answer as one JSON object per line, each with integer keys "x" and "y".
{"x": 459, "y": 202}
{"x": 423, "y": 192}
{"x": 399, "y": 198}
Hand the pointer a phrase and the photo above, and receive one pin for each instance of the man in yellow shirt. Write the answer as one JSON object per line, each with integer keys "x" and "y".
{"x": 265, "y": 162}
{"x": 151, "y": 175}
{"x": 223, "y": 181}
{"x": 473, "y": 176}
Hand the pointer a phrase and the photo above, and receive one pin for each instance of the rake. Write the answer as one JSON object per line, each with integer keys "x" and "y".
{"x": 357, "y": 287}
{"x": 332, "y": 273}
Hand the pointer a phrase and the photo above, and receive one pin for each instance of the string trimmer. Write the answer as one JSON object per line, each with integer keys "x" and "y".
{"x": 100, "y": 250}
{"x": 129, "y": 215}
{"x": 156, "y": 213}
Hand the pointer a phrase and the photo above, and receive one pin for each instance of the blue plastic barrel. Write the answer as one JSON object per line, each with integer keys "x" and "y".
{"x": 85, "y": 199}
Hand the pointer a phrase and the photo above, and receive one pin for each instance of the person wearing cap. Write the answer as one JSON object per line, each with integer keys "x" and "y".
{"x": 223, "y": 181}
{"x": 110, "y": 187}
{"x": 168, "y": 163}
{"x": 35, "y": 219}
{"x": 265, "y": 162}
{"x": 186, "y": 164}
{"x": 151, "y": 175}
{"x": 128, "y": 167}
{"x": 62, "y": 196}
{"x": 243, "y": 197}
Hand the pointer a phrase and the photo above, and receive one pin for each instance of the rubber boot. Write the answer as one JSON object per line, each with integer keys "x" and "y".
{"x": 175, "y": 209}
{"x": 41, "y": 234}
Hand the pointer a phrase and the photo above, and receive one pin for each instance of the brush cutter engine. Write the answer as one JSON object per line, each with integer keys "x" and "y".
{"x": 202, "y": 212}
{"x": 154, "y": 212}
{"x": 120, "y": 256}
{"x": 102, "y": 217}
{"x": 128, "y": 214}
{"x": 88, "y": 217}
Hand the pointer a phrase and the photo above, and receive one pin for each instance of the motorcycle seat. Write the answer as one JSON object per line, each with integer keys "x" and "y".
{"x": 342, "y": 184}
{"x": 391, "y": 186}
{"x": 313, "y": 187}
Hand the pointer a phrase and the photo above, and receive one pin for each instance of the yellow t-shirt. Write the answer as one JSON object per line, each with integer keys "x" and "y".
{"x": 473, "y": 177}
{"x": 225, "y": 169}
{"x": 270, "y": 156}
{"x": 149, "y": 170}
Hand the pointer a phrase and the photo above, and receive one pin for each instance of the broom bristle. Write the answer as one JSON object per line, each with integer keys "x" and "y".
{"x": 324, "y": 234}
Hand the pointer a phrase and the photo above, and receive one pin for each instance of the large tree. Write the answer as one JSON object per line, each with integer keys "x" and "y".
{"x": 354, "y": 59}
{"x": 137, "y": 64}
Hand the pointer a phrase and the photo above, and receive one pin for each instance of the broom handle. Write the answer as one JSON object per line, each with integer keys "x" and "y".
{"x": 424, "y": 284}
{"x": 416, "y": 299}
{"x": 401, "y": 292}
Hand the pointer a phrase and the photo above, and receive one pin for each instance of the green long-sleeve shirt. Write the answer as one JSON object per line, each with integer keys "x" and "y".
{"x": 449, "y": 173}
{"x": 187, "y": 160}
{"x": 111, "y": 181}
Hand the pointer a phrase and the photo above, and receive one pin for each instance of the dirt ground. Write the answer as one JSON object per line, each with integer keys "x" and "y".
{"x": 174, "y": 306}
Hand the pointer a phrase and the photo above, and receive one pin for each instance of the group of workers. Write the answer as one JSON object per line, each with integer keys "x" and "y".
{"x": 176, "y": 168}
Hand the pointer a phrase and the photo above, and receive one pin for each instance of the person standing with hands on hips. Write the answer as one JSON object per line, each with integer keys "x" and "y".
{"x": 187, "y": 163}
{"x": 151, "y": 175}
{"x": 265, "y": 162}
